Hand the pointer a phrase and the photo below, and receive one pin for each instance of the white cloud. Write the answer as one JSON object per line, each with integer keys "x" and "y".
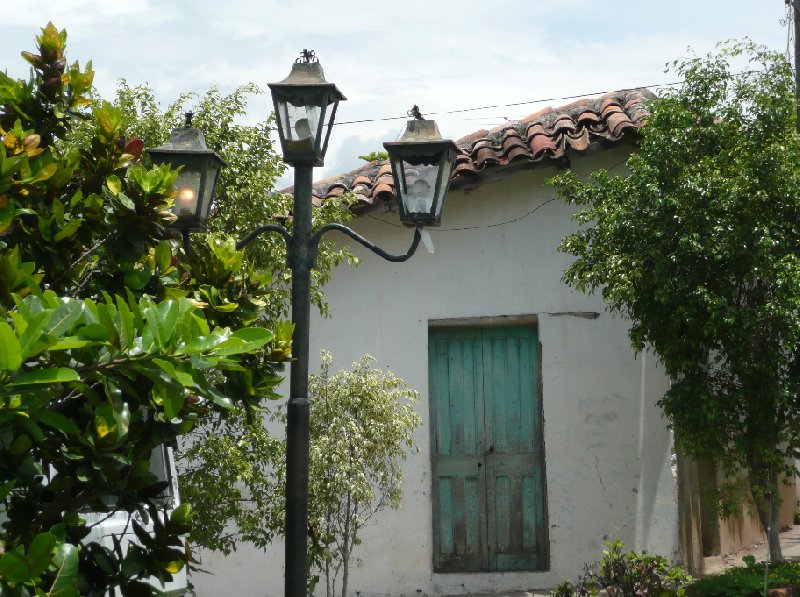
{"x": 81, "y": 15}
{"x": 387, "y": 56}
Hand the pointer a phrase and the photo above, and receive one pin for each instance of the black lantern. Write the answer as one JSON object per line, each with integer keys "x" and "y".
{"x": 422, "y": 163}
{"x": 194, "y": 187}
{"x": 305, "y": 106}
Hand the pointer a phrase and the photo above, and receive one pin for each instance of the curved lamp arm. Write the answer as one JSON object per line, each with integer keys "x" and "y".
{"x": 261, "y": 230}
{"x": 364, "y": 242}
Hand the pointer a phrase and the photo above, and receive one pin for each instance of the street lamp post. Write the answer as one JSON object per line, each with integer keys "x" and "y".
{"x": 422, "y": 162}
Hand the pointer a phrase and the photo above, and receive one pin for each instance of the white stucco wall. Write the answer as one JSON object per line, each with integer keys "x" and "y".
{"x": 608, "y": 452}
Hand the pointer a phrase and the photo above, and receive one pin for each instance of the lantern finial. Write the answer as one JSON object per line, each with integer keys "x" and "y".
{"x": 307, "y": 57}
{"x": 415, "y": 113}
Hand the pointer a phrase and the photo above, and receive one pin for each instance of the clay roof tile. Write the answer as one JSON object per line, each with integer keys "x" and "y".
{"x": 544, "y": 136}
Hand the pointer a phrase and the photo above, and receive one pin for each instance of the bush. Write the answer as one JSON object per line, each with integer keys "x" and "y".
{"x": 747, "y": 581}
{"x": 627, "y": 575}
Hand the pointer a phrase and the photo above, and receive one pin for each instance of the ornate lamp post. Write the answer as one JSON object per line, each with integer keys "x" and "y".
{"x": 422, "y": 162}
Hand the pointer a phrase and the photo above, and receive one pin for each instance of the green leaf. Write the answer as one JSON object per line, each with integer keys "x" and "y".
{"x": 127, "y": 331}
{"x": 64, "y": 317}
{"x": 33, "y": 332}
{"x": 46, "y": 376}
{"x": 58, "y": 421}
{"x": 204, "y": 343}
{"x": 163, "y": 256}
{"x": 137, "y": 279}
{"x": 182, "y": 514}
{"x": 66, "y": 581}
{"x": 127, "y": 202}
{"x": 39, "y": 553}
{"x": 114, "y": 185}
{"x": 244, "y": 340}
{"x": 161, "y": 320}
{"x": 14, "y": 567}
{"x": 68, "y": 230}
{"x": 10, "y": 349}
{"x": 70, "y": 342}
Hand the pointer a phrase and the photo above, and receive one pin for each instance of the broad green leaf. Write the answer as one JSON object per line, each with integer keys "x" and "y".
{"x": 39, "y": 554}
{"x": 171, "y": 397}
{"x": 10, "y": 349}
{"x": 66, "y": 581}
{"x": 46, "y": 376}
{"x": 14, "y": 567}
{"x": 56, "y": 420}
{"x": 126, "y": 201}
{"x": 204, "y": 343}
{"x": 114, "y": 185}
{"x": 182, "y": 514}
{"x": 163, "y": 256}
{"x": 244, "y": 340}
{"x": 126, "y": 330}
{"x": 137, "y": 279}
{"x": 93, "y": 331}
{"x": 64, "y": 317}
{"x": 36, "y": 325}
{"x": 68, "y": 230}
{"x": 180, "y": 376}
{"x": 226, "y": 307}
{"x": 70, "y": 342}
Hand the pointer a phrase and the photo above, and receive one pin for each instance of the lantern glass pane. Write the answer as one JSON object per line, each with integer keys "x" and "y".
{"x": 419, "y": 185}
{"x": 187, "y": 193}
{"x": 300, "y": 124}
{"x": 444, "y": 182}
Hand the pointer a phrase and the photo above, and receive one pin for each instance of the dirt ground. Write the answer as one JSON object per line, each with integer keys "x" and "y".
{"x": 790, "y": 545}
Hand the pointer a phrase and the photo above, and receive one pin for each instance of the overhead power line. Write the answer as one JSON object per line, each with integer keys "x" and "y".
{"x": 512, "y": 105}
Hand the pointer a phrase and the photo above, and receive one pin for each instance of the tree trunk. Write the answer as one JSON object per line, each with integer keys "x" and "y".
{"x": 764, "y": 481}
{"x": 346, "y": 548}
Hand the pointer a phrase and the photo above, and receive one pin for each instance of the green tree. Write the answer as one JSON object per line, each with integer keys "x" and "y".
{"x": 699, "y": 247}
{"x": 110, "y": 345}
{"x": 362, "y": 425}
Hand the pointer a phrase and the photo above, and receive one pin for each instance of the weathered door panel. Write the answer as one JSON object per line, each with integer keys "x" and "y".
{"x": 488, "y": 462}
{"x": 458, "y": 479}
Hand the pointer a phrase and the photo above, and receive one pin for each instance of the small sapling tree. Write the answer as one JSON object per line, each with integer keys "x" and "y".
{"x": 362, "y": 426}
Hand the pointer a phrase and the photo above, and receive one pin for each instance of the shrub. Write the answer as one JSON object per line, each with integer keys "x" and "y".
{"x": 628, "y": 574}
{"x": 747, "y": 581}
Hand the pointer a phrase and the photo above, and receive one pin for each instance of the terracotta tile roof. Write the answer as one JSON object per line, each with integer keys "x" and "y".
{"x": 542, "y": 138}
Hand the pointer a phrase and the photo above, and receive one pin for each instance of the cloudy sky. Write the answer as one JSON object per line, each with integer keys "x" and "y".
{"x": 386, "y": 56}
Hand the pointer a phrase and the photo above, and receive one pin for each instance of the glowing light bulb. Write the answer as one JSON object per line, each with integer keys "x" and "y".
{"x": 186, "y": 201}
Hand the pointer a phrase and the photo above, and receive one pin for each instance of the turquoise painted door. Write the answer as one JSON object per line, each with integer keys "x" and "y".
{"x": 487, "y": 450}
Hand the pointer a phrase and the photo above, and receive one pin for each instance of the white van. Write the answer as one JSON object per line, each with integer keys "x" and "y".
{"x": 106, "y": 526}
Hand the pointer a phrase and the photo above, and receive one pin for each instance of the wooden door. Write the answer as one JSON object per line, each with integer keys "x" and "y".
{"x": 488, "y": 459}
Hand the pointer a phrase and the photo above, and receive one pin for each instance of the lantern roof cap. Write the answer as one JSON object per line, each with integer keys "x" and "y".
{"x": 420, "y": 131}
{"x": 307, "y": 74}
{"x": 186, "y": 140}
